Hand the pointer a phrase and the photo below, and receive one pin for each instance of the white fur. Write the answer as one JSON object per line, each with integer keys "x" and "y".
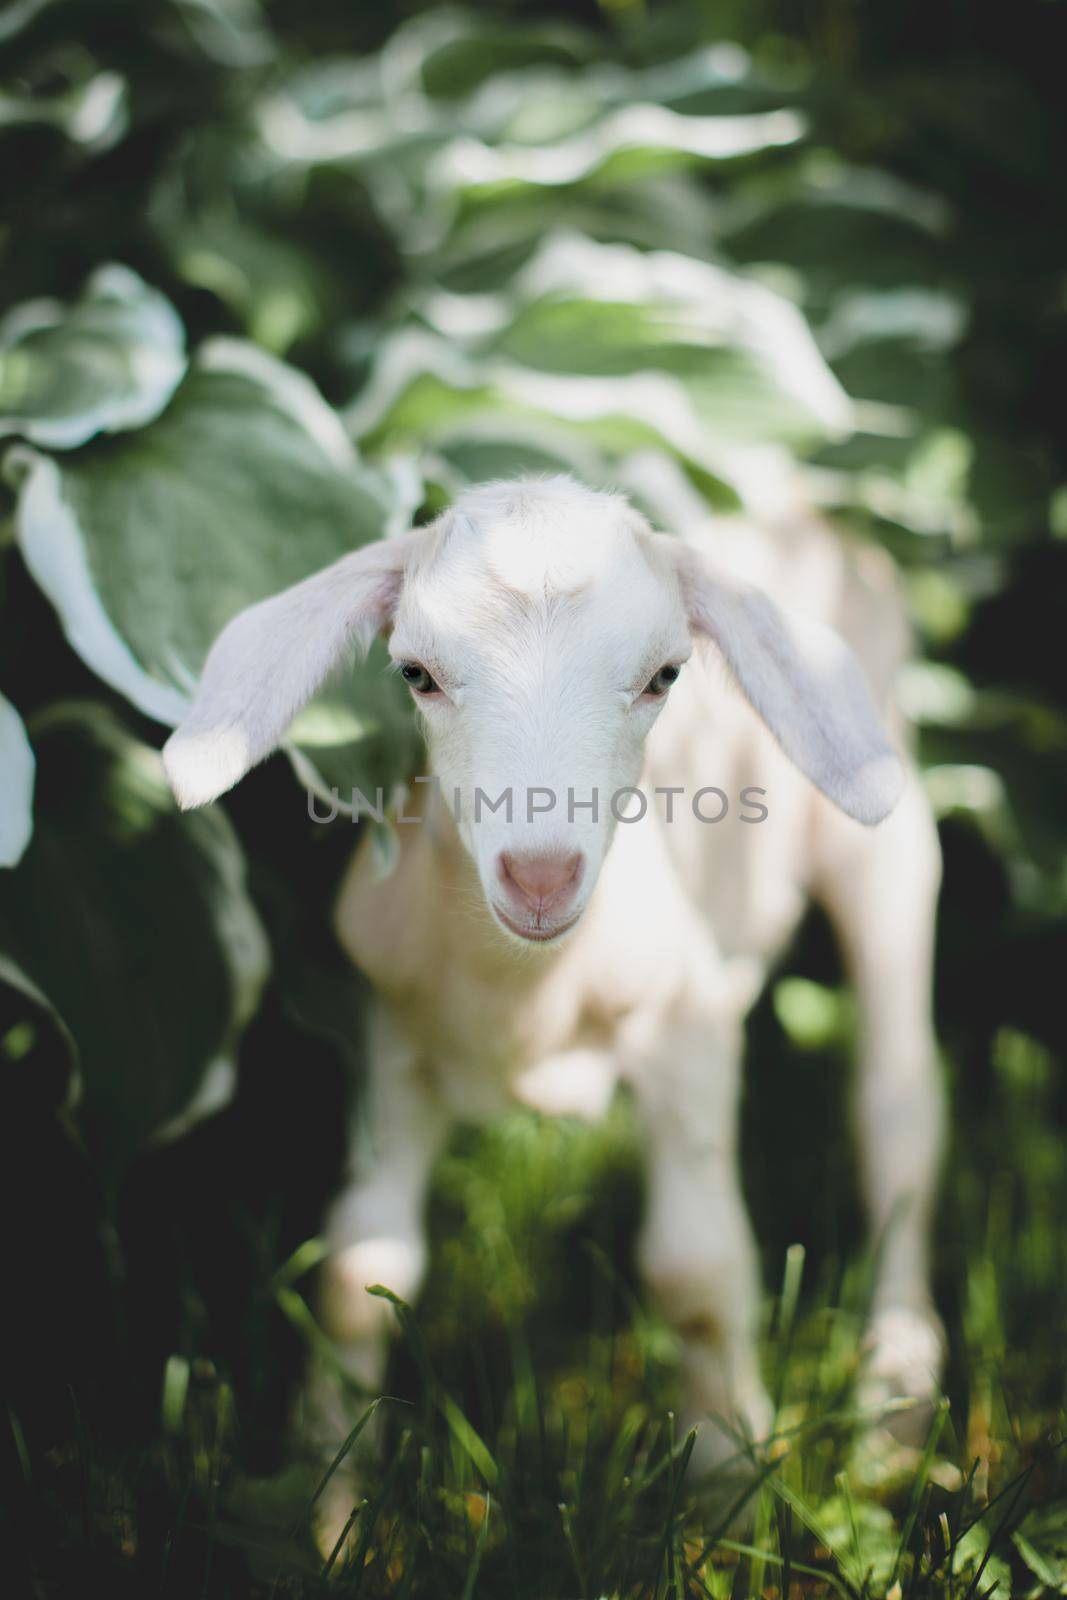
{"x": 804, "y": 682}
{"x": 268, "y": 662}
{"x": 542, "y": 609}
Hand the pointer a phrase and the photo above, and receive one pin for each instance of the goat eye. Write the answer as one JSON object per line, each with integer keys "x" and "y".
{"x": 418, "y": 679}
{"x": 658, "y": 685}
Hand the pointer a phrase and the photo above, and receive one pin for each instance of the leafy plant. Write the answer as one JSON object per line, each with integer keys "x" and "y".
{"x": 280, "y": 279}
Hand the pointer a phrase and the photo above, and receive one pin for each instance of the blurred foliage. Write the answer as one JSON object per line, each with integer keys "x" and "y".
{"x": 276, "y": 279}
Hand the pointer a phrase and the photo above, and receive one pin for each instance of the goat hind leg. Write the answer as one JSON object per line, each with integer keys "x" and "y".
{"x": 880, "y": 890}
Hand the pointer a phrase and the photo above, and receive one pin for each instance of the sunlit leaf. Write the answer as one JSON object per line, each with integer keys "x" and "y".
{"x": 633, "y": 140}
{"x": 16, "y": 786}
{"x": 742, "y": 352}
{"x": 930, "y": 319}
{"x": 93, "y": 113}
{"x": 147, "y": 545}
{"x": 1041, "y": 1540}
{"x": 622, "y": 350}
{"x": 973, "y": 1553}
{"x": 111, "y": 361}
{"x": 424, "y": 393}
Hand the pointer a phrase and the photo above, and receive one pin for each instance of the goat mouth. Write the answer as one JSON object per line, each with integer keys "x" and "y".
{"x": 536, "y": 935}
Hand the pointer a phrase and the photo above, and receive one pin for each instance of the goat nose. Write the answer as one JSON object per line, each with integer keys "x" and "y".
{"x": 542, "y": 880}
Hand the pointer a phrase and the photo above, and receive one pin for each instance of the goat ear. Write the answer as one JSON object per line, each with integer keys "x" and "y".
{"x": 803, "y": 681}
{"x": 267, "y": 663}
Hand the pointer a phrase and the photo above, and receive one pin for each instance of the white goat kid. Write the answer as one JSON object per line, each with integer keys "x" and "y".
{"x": 540, "y": 627}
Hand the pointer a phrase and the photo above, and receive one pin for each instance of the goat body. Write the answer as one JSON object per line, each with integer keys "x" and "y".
{"x": 540, "y": 625}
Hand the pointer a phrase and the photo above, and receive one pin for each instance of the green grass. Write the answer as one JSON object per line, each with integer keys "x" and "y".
{"x": 530, "y": 1451}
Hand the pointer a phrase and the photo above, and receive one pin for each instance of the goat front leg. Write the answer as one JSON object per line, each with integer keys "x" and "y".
{"x": 880, "y": 890}
{"x": 375, "y": 1235}
{"x": 696, "y": 1251}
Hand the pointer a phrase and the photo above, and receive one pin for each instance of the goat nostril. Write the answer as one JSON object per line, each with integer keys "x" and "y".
{"x": 542, "y": 879}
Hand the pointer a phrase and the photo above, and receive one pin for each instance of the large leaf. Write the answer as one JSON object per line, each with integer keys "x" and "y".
{"x": 424, "y": 392}
{"x": 146, "y": 545}
{"x": 620, "y": 350}
{"x": 110, "y": 361}
{"x": 456, "y": 122}
{"x": 743, "y": 353}
{"x": 841, "y": 226}
{"x": 134, "y": 920}
{"x": 522, "y": 107}
{"x": 16, "y": 786}
{"x": 33, "y": 1033}
{"x": 632, "y": 142}
{"x": 450, "y": 53}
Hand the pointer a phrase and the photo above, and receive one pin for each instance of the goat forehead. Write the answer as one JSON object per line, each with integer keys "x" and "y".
{"x": 539, "y": 571}
{"x": 537, "y": 542}
{"x": 543, "y": 550}
{"x": 498, "y": 599}
{"x": 531, "y": 537}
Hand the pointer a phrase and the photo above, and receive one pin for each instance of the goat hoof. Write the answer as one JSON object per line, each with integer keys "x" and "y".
{"x": 723, "y": 1478}
{"x": 726, "y": 1459}
{"x": 904, "y": 1352}
{"x": 335, "y": 1522}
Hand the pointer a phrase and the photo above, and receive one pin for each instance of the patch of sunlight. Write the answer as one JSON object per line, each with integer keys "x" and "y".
{"x": 18, "y": 1041}
{"x": 281, "y": 317}
{"x": 929, "y": 691}
{"x": 939, "y": 604}
{"x": 321, "y": 725}
{"x": 965, "y": 788}
{"x": 811, "y": 1014}
{"x": 1057, "y": 512}
{"x": 1021, "y": 1061}
{"x": 940, "y": 466}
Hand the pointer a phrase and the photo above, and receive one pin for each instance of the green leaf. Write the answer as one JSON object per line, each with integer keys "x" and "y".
{"x": 18, "y": 15}
{"x": 1041, "y": 1540}
{"x": 148, "y": 544}
{"x": 93, "y": 113}
{"x": 743, "y": 353}
{"x": 231, "y": 32}
{"x": 972, "y": 1556}
{"x": 357, "y": 734}
{"x": 37, "y": 1018}
{"x": 845, "y": 227}
{"x": 457, "y": 53}
{"x": 16, "y": 786}
{"x": 110, "y": 361}
{"x": 122, "y": 909}
{"x": 458, "y": 121}
{"x": 279, "y": 291}
{"x": 623, "y": 350}
{"x": 629, "y": 143}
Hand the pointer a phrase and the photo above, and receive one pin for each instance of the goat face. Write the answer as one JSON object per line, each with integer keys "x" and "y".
{"x": 539, "y": 629}
{"x": 538, "y": 625}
